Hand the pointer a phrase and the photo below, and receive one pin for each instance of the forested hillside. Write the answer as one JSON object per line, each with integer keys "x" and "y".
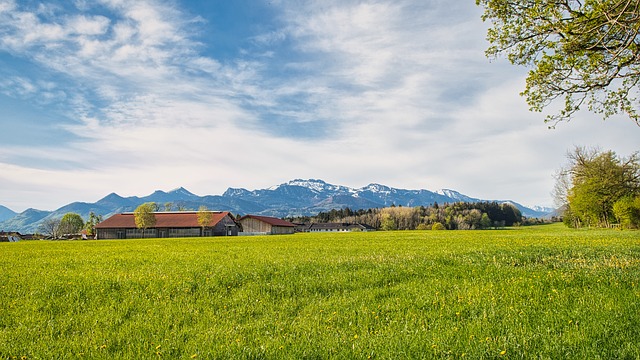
{"x": 456, "y": 216}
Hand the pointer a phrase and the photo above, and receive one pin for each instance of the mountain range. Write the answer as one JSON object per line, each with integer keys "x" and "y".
{"x": 296, "y": 197}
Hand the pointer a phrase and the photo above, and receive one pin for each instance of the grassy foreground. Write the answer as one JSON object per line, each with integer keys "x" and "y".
{"x": 541, "y": 292}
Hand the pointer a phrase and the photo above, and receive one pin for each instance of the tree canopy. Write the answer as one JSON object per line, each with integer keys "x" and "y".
{"x": 204, "y": 217}
{"x": 71, "y": 223}
{"x": 50, "y": 227}
{"x": 602, "y": 188}
{"x": 145, "y": 217}
{"x": 585, "y": 52}
{"x": 90, "y": 225}
{"x": 455, "y": 216}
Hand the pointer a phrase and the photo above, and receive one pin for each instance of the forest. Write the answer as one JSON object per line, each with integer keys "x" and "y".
{"x": 454, "y": 216}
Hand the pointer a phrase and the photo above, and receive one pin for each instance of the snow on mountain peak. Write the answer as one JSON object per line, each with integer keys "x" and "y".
{"x": 313, "y": 184}
{"x": 454, "y": 195}
{"x": 545, "y": 209}
{"x": 377, "y": 188}
{"x": 236, "y": 192}
{"x": 310, "y": 183}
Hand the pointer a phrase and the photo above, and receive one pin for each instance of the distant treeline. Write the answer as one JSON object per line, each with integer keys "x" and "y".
{"x": 455, "y": 216}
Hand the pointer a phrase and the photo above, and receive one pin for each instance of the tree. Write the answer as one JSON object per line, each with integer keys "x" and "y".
{"x": 598, "y": 180}
{"x": 511, "y": 214}
{"x": 50, "y": 227}
{"x": 586, "y": 52}
{"x": 71, "y": 223}
{"x": 485, "y": 222}
{"x": 387, "y": 222}
{"x": 627, "y": 211}
{"x": 145, "y": 216}
{"x": 90, "y": 225}
{"x": 204, "y": 217}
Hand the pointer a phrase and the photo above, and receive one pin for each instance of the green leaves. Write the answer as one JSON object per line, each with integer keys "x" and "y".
{"x": 204, "y": 217}
{"x": 71, "y": 223}
{"x": 598, "y": 181}
{"x": 144, "y": 215}
{"x": 586, "y": 52}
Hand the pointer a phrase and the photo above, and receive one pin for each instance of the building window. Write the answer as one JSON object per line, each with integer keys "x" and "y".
{"x": 184, "y": 232}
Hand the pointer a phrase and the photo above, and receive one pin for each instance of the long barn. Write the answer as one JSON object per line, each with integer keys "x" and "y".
{"x": 168, "y": 225}
{"x": 254, "y": 224}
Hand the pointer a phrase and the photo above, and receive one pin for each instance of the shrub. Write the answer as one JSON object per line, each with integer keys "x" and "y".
{"x": 423, "y": 226}
{"x": 438, "y": 226}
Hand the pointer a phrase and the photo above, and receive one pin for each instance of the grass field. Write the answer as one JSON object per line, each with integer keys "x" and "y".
{"x": 540, "y": 292}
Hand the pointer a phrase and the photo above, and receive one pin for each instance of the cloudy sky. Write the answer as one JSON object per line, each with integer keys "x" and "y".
{"x": 133, "y": 96}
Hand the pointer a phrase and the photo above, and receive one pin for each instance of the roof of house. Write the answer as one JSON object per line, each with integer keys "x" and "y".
{"x": 328, "y": 226}
{"x": 269, "y": 220}
{"x": 179, "y": 219}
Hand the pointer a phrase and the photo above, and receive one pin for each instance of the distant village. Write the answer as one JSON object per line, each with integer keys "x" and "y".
{"x": 153, "y": 223}
{"x": 175, "y": 224}
{"x": 220, "y": 223}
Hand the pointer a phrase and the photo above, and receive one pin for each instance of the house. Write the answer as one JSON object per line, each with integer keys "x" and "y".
{"x": 264, "y": 225}
{"x": 10, "y": 236}
{"x": 301, "y": 227}
{"x": 168, "y": 225}
{"x": 338, "y": 227}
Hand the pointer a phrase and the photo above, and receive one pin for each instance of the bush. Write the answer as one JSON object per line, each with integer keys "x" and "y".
{"x": 438, "y": 226}
{"x": 423, "y": 226}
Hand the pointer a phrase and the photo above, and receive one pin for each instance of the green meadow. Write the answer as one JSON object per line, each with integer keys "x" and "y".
{"x": 534, "y": 292}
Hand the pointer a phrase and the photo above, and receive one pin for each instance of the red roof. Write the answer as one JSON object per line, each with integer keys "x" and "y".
{"x": 182, "y": 219}
{"x": 269, "y": 220}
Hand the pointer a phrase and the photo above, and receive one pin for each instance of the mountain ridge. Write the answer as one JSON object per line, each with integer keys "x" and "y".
{"x": 294, "y": 198}
{"x": 6, "y": 213}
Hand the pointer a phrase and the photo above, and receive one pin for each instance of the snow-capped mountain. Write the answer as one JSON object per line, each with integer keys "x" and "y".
{"x": 542, "y": 209}
{"x": 296, "y": 197}
{"x": 314, "y": 185}
{"x": 452, "y": 194}
{"x": 306, "y": 197}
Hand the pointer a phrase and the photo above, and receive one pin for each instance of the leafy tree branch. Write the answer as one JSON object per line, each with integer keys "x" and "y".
{"x": 586, "y": 53}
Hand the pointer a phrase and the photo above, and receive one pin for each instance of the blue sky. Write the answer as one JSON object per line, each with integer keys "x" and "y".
{"x": 134, "y": 96}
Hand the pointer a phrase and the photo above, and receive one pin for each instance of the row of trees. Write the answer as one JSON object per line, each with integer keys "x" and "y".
{"x": 599, "y": 189}
{"x": 456, "y": 216}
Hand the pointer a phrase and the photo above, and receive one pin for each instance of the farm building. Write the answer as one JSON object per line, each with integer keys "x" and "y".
{"x": 254, "y": 225}
{"x": 10, "y": 236}
{"x": 168, "y": 225}
{"x": 338, "y": 227}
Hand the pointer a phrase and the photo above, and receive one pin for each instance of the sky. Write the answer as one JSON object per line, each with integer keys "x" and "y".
{"x": 101, "y": 96}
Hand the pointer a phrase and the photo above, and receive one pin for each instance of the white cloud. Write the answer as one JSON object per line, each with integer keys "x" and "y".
{"x": 18, "y": 86}
{"x": 7, "y": 5}
{"x": 391, "y": 92}
{"x": 83, "y": 25}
